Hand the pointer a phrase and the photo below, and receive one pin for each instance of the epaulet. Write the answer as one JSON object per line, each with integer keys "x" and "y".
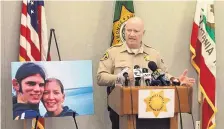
{"x": 149, "y": 46}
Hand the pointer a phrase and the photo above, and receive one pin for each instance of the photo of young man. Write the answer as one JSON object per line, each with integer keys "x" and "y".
{"x": 29, "y": 85}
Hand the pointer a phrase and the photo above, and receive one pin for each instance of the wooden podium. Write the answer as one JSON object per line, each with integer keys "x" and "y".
{"x": 120, "y": 101}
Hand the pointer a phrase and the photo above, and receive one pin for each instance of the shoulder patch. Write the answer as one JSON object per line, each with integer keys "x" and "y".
{"x": 105, "y": 56}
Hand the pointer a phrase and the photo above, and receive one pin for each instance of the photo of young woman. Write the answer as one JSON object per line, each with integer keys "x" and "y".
{"x": 53, "y": 99}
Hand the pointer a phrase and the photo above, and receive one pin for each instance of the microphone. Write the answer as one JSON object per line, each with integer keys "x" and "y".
{"x": 137, "y": 75}
{"x": 175, "y": 81}
{"x": 120, "y": 77}
{"x": 157, "y": 74}
{"x": 125, "y": 74}
{"x": 147, "y": 76}
{"x": 167, "y": 80}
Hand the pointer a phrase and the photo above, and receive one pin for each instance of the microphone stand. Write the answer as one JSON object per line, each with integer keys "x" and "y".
{"x": 74, "y": 114}
{"x": 52, "y": 31}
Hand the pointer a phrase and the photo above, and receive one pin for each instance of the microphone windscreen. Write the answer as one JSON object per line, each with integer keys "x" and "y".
{"x": 136, "y": 67}
{"x": 152, "y": 66}
{"x": 144, "y": 70}
{"x": 137, "y": 71}
{"x": 125, "y": 74}
{"x": 175, "y": 81}
{"x": 147, "y": 76}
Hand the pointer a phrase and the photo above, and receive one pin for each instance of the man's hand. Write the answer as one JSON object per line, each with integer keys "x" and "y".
{"x": 120, "y": 76}
{"x": 186, "y": 80}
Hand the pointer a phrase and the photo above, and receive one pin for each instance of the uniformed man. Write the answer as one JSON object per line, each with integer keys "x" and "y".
{"x": 127, "y": 55}
{"x": 29, "y": 85}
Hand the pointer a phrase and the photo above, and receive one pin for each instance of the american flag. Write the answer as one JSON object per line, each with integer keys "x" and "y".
{"x": 33, "y": 37}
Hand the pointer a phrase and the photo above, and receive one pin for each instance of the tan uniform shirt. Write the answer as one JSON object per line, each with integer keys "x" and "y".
{"x": 120, "y": 56}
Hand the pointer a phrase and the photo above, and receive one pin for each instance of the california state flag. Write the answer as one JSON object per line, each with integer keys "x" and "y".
{"x": 203, "y": 50}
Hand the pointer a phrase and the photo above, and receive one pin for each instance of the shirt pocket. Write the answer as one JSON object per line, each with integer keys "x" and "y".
{"x": 120, "y": 65}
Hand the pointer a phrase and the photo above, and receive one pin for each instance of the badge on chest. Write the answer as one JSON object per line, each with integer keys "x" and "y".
{"x": 146, "y": 57}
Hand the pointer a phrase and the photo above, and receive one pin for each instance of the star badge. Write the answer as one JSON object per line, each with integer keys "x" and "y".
{"x": 156, "y": 102}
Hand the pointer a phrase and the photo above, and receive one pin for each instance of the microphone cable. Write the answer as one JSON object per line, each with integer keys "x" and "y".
{"x": 178, "y": 97}
{"x": 190, "y": 107}
{"x": 132, "y": 113}
{"x": 74, "y": 114}
{"x": 126, "y": 85}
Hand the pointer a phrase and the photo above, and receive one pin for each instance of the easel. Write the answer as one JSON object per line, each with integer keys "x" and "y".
{"x": 52, "y": 32}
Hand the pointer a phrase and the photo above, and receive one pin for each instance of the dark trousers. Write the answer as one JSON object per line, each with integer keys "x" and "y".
{"x": 114, "y": 118}
{"x": 153, "y": 123}
{"x": 141, "y": 123}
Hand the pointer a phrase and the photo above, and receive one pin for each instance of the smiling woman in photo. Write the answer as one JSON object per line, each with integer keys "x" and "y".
{"x": 53, "y": 99}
